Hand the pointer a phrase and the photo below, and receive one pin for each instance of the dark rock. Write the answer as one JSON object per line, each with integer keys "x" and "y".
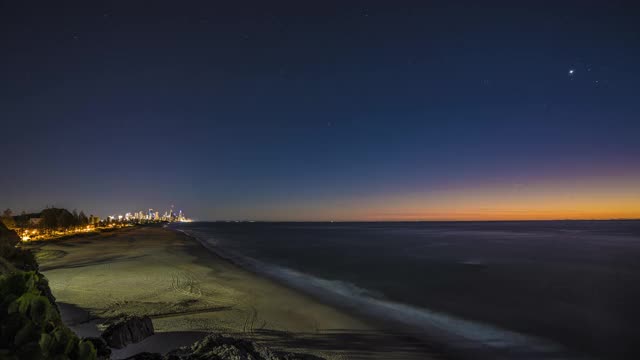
{"x": 145, "y": 356}
{"x": 218, "y": 347}
{"x": 103, "y": 351}
{"x": 127, "y": 331}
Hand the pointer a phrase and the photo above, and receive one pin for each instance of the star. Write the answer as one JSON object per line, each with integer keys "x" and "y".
{"x": 571, "y": 71}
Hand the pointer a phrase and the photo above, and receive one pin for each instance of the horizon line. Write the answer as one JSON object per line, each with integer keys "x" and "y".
{"x": 415, "y": 221}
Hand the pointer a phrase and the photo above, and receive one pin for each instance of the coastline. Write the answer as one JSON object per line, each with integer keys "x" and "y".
{"x": 188, "y": 291}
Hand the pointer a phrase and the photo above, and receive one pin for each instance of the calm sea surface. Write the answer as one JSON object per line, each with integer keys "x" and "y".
{"x": 575, "y": 284}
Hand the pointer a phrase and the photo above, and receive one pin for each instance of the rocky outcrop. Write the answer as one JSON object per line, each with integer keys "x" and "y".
{"x": 102, "y": 350}
{"x": 218, "y": 347}
{"x": 127, "y": 331}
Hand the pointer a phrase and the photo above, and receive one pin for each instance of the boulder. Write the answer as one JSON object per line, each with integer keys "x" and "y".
{"x": 219, "y": 347}
{"x": 128, "y": 330}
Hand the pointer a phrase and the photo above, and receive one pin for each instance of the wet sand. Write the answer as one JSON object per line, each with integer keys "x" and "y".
{"x": 188, "y": 291}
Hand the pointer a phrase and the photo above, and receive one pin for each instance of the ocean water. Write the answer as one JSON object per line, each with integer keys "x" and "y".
{"x": 538, "y": 289}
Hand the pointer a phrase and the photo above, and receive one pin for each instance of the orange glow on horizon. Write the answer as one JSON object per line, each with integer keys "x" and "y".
{"x": 574, "y": 201}
{"x": 508, "y": 215}
{"x": 596, "y": 198}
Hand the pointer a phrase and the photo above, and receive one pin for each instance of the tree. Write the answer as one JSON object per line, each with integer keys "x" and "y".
{"x": 49, "y": 219}
{"x": 7, "y": 219}
{"x": 82, "y": 219}
{"x": 65, "y": 219}
{"x": 22, "y": 222}
{"x": 76, "y": 218}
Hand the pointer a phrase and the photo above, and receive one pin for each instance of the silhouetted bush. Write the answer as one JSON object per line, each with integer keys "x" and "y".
{"x": 30, "y": 325}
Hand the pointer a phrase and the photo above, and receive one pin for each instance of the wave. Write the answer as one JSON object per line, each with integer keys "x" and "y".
{"x": 467, "y": 338}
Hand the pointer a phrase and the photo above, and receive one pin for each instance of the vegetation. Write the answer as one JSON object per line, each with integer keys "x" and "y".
{"x": 7, "y": 219}
{"x": 49, "y": 223}
{"x": 57, "y": 219}
{"x": 30, "y": 324}
{"x": 49, "y": 219}
{"x": 23, "y": 260}
{"x": 31, "y": 327}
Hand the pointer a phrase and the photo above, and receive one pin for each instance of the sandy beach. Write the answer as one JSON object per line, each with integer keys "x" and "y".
{"x": 188, "y": 291}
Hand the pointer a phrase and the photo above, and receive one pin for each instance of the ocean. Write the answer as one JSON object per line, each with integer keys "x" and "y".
{"x": 530, "y": 289}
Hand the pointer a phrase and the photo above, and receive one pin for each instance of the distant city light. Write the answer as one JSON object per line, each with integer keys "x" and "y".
{"x": 152, "y": 215}
{"x": 112, "y": 221}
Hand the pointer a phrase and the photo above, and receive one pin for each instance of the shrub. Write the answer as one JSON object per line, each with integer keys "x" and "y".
{"x": 30, "y": 325}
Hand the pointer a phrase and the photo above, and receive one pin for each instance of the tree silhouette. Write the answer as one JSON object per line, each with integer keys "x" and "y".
{"x": 7, "y": 219}
{"x": 82, "y": 219}
{"x": 76, "y": 219}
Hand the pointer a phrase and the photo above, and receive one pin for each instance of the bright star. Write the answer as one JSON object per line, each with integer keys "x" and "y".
{"x": 571, "y": 72}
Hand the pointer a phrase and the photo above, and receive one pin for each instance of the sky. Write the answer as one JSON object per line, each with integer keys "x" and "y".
{"x": 327, "y": 110}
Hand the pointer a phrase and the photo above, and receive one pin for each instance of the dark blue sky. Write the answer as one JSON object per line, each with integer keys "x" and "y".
{"x": 290, "y": 110}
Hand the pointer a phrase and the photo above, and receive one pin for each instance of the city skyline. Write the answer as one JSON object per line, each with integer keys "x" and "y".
{"x": 151, "y": 215}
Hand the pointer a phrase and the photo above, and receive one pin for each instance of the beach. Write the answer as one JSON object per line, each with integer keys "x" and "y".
{"x": 188, "y": 291}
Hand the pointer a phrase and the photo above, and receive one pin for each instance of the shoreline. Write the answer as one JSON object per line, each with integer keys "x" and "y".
{"x": 392, "y": 328}
{"x": 188, "y": 290}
